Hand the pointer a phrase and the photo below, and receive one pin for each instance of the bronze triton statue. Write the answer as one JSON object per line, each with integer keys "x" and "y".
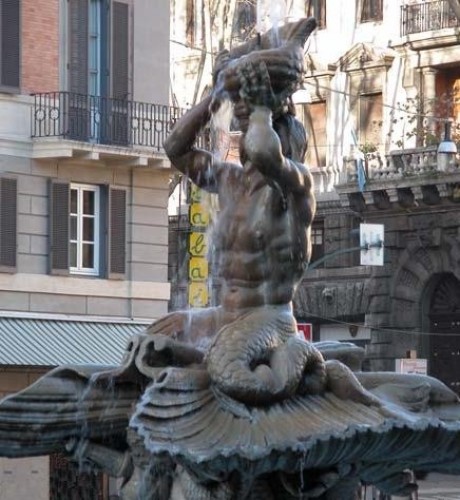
{"x": 228, "y": 402}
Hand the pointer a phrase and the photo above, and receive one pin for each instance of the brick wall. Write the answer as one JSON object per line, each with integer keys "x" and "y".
{"x": 40, "y": 46}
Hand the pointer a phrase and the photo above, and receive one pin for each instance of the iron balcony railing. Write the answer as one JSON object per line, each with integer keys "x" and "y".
{"x": 427, "y": 16}
{"x": 103, "y": 120}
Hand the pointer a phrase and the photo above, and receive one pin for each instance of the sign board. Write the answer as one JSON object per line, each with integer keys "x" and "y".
{"x": 305, "y": 330}
{"x": 198, "y": 244}
{"x": 371, "y": 238}
{"x": 417, "y": 366}
{"x": 198, "y": 269}
{"x": 198, "y": 294}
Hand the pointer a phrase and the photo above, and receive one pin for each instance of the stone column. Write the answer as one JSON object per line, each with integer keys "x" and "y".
{"x": 429, "y": 100}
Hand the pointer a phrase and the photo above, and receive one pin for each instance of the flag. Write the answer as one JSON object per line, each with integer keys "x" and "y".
{"x": 361, "y": 172}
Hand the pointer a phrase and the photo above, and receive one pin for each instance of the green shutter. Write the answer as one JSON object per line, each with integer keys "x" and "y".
{"x": 120, "y": 51}
{"x": 9, "y": 38}
{"x": 117, "y": 233}
{"x": 59, "y": 227}
{"x": 8, "y": 218}
{"x": 78, "y": 46}
{"x": 78, "y": 105}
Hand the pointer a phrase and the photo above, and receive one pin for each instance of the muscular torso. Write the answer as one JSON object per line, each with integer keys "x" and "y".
{"x": 260, "y": 239}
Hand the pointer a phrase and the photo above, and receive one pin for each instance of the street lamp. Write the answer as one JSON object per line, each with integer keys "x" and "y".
{"x": 447, "y": 149}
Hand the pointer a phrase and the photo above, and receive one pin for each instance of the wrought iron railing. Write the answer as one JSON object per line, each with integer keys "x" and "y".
{"x": 102, "y": 120}
{"x": 427, "y": 16}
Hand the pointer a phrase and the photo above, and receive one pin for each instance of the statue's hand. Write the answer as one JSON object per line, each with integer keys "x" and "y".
{"x": 173, "y": 325}
{"x": 284, "y": 65}
{"x": 255, "y": 86}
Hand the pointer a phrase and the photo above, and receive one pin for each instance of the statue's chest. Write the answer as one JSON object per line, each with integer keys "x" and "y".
{"x": 249, "y": 219}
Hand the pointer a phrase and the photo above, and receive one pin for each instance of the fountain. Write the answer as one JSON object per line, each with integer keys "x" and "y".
{"x": 229, "y": 402}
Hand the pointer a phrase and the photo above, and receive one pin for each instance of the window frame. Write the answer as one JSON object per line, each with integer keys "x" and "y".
{"x": 79, "y": 269}
{"x": 366, "y": 11}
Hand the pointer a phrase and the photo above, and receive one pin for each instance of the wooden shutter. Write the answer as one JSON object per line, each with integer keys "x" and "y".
{"x": 59, "y": 227}
{"x": 10, "y": 33}
{"x": 78, "y": 46}
{"x": 317, "y": 136}
{"x": 117, "y": 233}
{"x": 78, "y": 104}
{"x": 370, "y": 120}
{"x": 118, "y": 109}
{"x": 190, "y": 21}
{"x": 8, "y": 218}
{"x": 317, "y": 9}
{"x": 120, "y": 50}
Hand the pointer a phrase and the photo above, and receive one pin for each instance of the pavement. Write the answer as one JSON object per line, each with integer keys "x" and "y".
{"x": 439, "y": 487}
{"x": 433, "y": 487}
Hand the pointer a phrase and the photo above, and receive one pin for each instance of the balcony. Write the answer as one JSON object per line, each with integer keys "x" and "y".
{"x": 402, "y": 178}
{"x": 66, "y": 124}
{"x": 427, "y": 16}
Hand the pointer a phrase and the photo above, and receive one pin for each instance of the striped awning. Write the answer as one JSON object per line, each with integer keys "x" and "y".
{"x": 45, "y": 342}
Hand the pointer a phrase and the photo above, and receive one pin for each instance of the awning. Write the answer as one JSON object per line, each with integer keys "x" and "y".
{"x": 45, "y": 342}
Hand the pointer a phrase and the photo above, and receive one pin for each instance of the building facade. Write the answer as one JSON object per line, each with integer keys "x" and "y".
{"x": 381, "y": 84}
{"x": 84, "y": 107}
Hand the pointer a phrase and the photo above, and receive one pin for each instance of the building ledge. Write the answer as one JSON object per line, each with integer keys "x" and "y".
{"x": 432, "y": 39}
{"x": 59, "y": 148}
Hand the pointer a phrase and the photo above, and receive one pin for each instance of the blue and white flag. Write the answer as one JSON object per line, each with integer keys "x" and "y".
{"x": 361, "y": 173}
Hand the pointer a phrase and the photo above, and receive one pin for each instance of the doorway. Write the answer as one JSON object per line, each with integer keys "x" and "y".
{"x": 444, "y": 320}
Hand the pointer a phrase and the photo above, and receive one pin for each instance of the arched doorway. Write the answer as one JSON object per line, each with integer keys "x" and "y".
{"x": 444, "y": 320}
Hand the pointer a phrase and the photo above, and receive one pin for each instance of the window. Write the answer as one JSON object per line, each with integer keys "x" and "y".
{"x": 98, "y": 68}
{"x": 84, "y": 229}
{"x": 370, "y": 121}
{"x": 98, "y": 48}
{"x": 9, "y": 45}
{"x": 316, "y": 119}
{"x": 371, "y": 10}
{"x": 317, "y": 9}
{"x": 244, "y": 20}
{"x": 317, "y": 243}
{"x": 190, "y": 22}
{"x": 87, "y": 230}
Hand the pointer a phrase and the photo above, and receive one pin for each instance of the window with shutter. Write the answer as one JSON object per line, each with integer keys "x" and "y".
{"x": 99, "y": 39}
{"x": 316, "y": 119}
{"x": 244, "y": 20}
{"x": 87, "y": 230}
{"x": 8, "y": 218}
{"x": 190, "y": 22}
{"x": 9, "y": 45}
{"x": 317, "y": 9}
{"x": 371, "y": 10}
{"x": 370, "y": 121}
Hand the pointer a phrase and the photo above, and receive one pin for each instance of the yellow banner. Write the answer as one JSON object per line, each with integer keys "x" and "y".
{"x": 196, "y": 194}
{"x": 198, "y": 244}
{"x": 198, "y": 294}
{"x": 199, "y": 215}
{"x": 198, "y": 269}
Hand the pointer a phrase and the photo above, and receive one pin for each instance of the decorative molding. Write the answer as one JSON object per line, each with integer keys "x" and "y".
{"x": 73, "y": 285}
{"x": 363, "y": 57}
